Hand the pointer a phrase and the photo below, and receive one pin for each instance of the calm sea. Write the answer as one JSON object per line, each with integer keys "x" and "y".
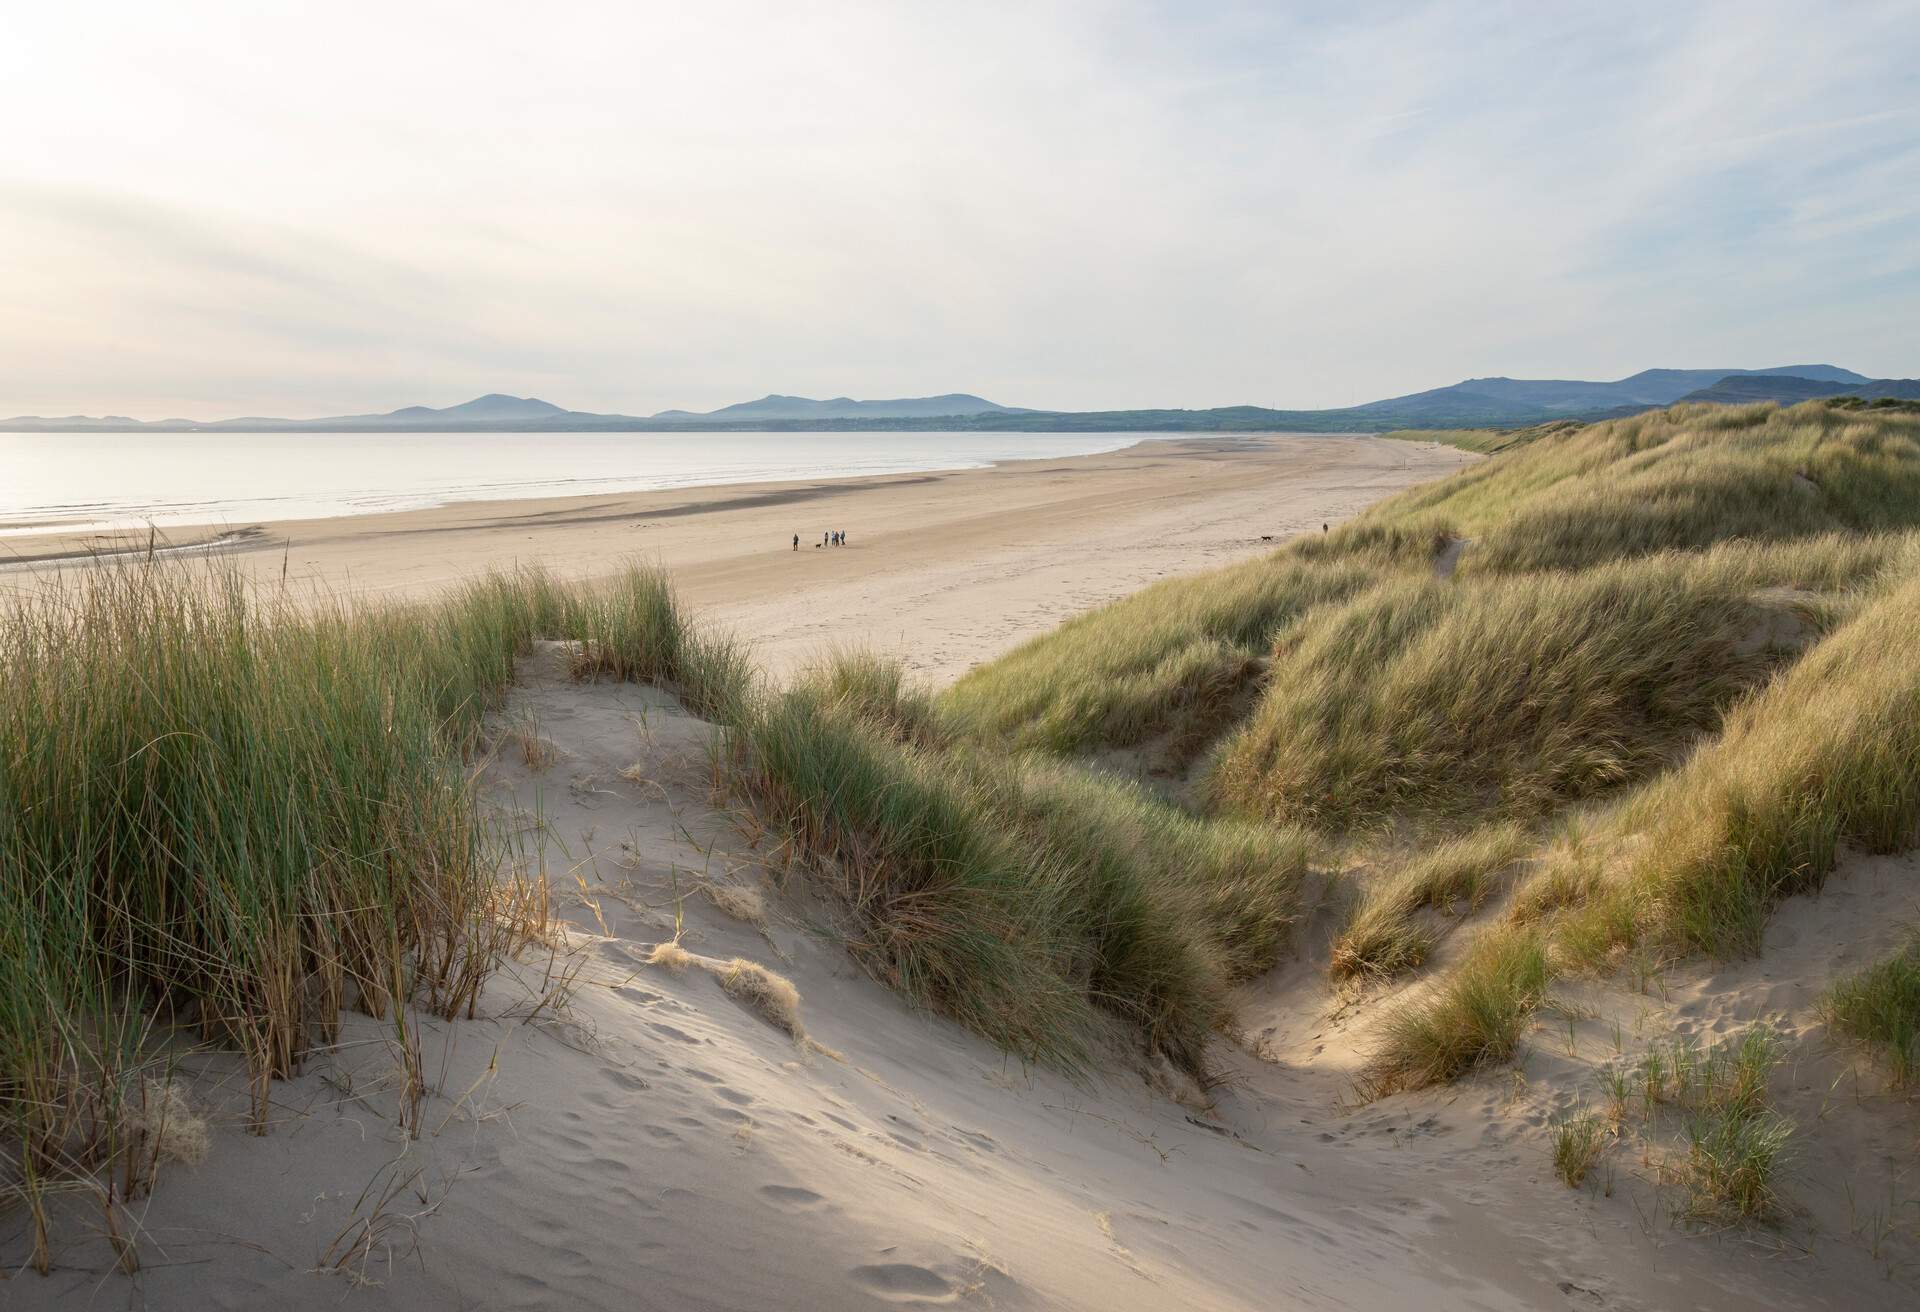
{"x": 66, "y": 481}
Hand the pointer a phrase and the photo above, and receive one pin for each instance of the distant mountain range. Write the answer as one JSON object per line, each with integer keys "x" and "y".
{"x": 1512, "y": 401}
{"x": 1475, "y": 403}
{"x": 845, "y": 407}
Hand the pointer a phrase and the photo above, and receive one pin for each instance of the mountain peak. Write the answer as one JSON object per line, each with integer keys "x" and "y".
{"x": 494, "y": 405}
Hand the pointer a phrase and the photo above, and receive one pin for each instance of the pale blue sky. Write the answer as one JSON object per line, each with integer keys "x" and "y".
{"x": 215, "y": 209}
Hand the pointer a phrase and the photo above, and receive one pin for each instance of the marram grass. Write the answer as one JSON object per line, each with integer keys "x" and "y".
{"x": 1042, "y": 906}
{"x": 225, "y": 816}
{"x": 1673, "y": 649}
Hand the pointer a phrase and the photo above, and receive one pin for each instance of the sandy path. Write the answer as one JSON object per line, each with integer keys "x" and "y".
{"x": 947, "y": 569}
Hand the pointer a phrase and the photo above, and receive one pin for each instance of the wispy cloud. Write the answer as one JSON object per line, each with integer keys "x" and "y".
{"x": 225, "y": 208}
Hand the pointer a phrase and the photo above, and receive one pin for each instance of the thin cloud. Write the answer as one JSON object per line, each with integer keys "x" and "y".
{"x": 635, "y": 207}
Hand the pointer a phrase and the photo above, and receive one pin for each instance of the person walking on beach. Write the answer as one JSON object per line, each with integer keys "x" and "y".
{"x": 796, "y": 542}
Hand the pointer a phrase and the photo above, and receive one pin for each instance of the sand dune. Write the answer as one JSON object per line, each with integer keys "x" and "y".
{"x": 619, "y": 1134}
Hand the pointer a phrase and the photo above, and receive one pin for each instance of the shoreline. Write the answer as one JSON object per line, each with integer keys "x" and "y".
{"x": 944, "y": 568}
{"x": 134, "y": 539}
{"x": 470, "y": 474}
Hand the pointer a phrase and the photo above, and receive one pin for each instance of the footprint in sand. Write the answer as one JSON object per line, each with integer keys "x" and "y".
{"x": 902, "y": 1282}
{"x": 792, "y": 1198}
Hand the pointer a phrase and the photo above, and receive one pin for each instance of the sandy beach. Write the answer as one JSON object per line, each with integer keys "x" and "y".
{"x": 944, "y": 569}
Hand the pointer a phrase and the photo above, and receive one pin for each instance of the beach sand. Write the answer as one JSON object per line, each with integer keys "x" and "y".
{"x": 944, "y": 569}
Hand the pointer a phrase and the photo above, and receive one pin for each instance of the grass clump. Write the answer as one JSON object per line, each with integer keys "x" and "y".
{"x": 1880, "y": 1007}
{"x": 1474, "y": 1018}
{"x": 768, "y": 995}
{"x": 1578, "y": 1143}
{"x": 1388, "y": 934}
{"x": 1734, "y": 1163}
{"x": 876, "y": 689}
{"x": 637, "y": 630}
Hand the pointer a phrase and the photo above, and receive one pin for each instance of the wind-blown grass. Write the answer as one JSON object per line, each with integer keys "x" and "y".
{"x": 1511, "y": 695}
{"x": 1387, "y": 935}
{"x": 1829, "y": 753}
{"x": 1793, "y": 498}
{"x": 1578, "y": 1143}
{"x": 1475, "y": 1018}
{"x": 1035, "y": 903}
{"x": 1167, "y": 659}
{"x": 1676, "y": 638}
{"x": 1736, "y": 1146}
{"x": 226, "y": 817}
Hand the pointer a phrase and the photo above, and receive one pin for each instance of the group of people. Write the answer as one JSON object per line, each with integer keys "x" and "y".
{"x": 835, "y": 538}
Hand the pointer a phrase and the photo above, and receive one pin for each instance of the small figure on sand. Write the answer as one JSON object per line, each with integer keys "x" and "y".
{"x": 796, "y": 542}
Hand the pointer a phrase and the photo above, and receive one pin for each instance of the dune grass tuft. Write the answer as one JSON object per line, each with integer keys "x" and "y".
{"x": 1734, "y": 1164}
{"x": 1736, "y": 1146}
{"x": 769, "y": 996}
{"x": 1387, "y": 935}
{"x": 670, "y": 956}
{"x": 1578, "y": 1143}
{"x": 1880, "y": 1008}
{"x": 1474, "y": 1018}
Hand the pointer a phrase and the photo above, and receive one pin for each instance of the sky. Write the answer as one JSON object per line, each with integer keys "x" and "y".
{"x": 220, "y": 209}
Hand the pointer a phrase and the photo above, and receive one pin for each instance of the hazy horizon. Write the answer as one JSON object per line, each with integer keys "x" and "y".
{"x": 220, "y": 212}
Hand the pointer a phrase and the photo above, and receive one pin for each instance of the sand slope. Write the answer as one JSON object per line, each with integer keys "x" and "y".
{"x": 648, "y": 1142}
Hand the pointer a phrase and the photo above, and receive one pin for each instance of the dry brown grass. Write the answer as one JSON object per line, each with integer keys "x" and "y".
{"x": 770, "y": 996}
{"x": 738, "y": 902}
{"x": 671, "y": 956}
